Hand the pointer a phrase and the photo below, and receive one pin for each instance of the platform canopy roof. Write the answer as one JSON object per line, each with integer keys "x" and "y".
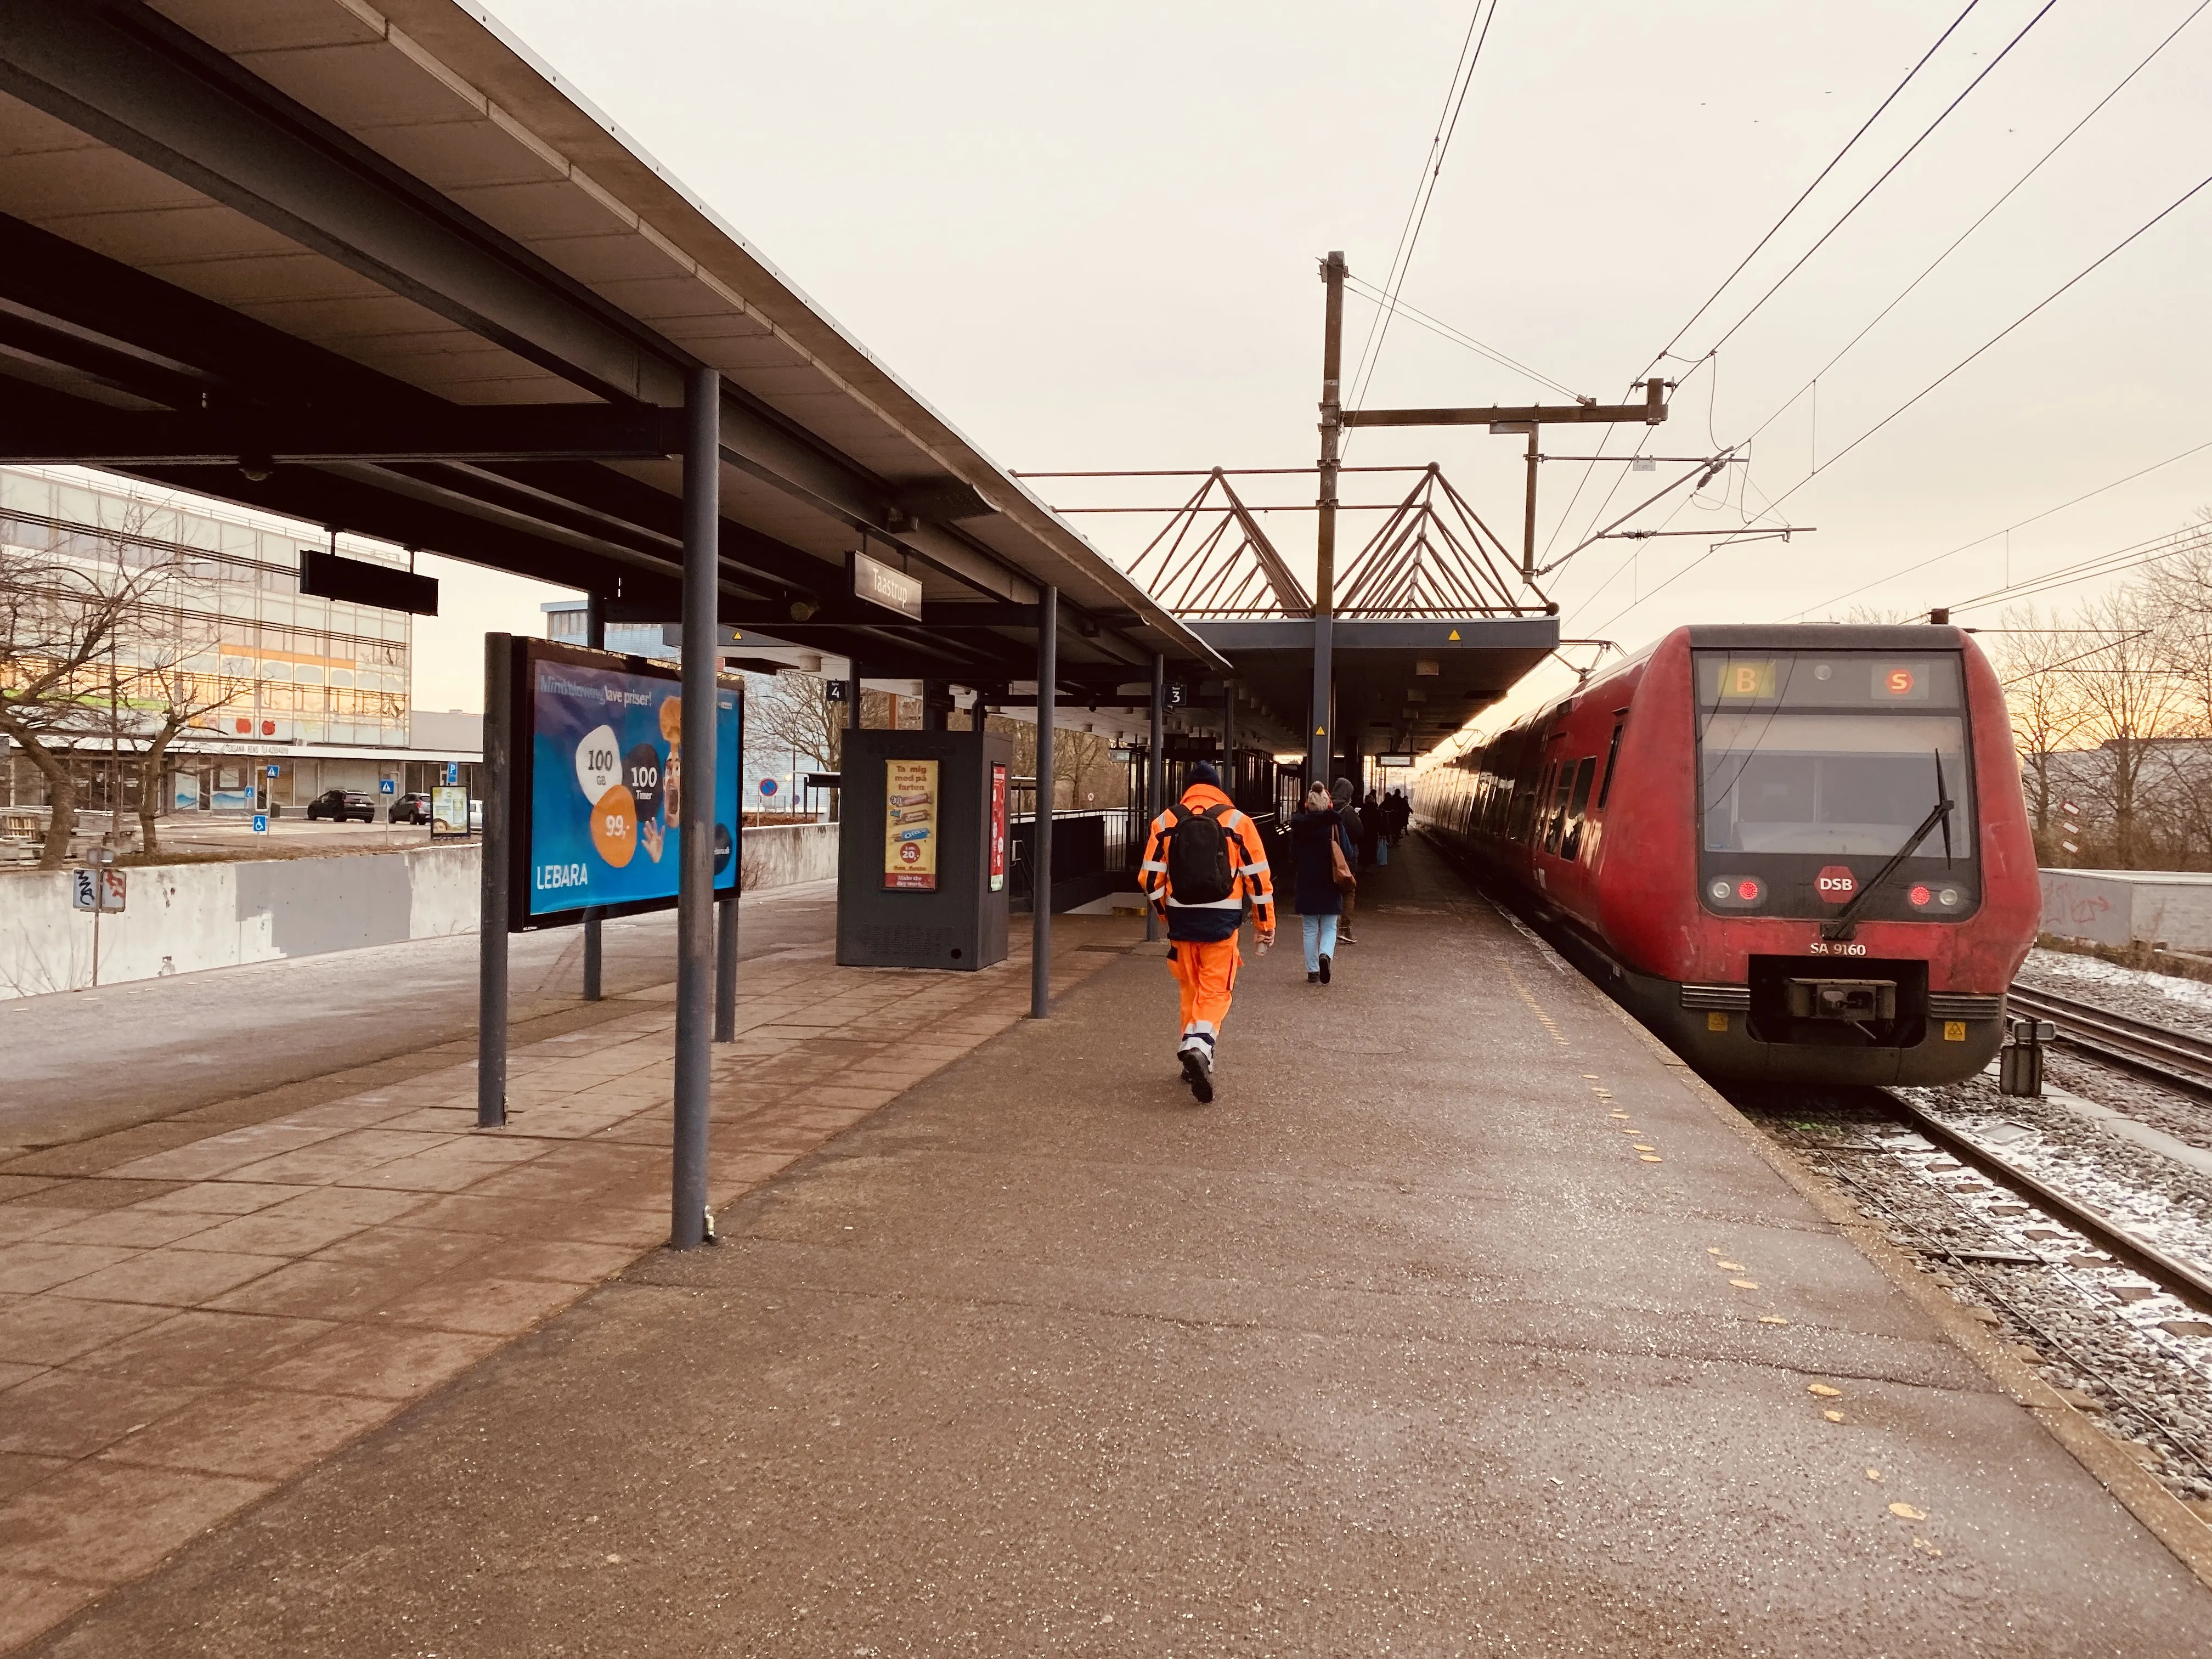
{"x": 382, "y": 269}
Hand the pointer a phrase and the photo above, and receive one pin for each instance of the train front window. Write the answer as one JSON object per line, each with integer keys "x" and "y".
{"x": 1844, "y": 754}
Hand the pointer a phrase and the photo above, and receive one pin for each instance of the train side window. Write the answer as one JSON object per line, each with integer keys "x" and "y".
{"x": 1556, "y": 819}
{"x": 1612, "y": 755}
{"x": 1570, "y": 844}
{"x": 1528, "y": 788}
{"x": 1528, "y": 808}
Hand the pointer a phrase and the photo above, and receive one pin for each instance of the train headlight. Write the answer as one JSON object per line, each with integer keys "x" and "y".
{"x": 1919, "y": 895}
{"x": 1723, "y": 890}
{"x": 1948, "y": 897}
{"x": 1748, "y": 890}
{"x": 1736, "y": 892}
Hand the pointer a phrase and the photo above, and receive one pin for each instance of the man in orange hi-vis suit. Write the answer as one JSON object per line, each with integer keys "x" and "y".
{"x": 1203, "y": 860}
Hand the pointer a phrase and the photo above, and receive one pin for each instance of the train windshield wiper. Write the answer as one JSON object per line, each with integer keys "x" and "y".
{"x": 1843, "y": 924}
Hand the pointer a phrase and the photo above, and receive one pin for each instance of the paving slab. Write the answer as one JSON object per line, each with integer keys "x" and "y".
{"x": 198, "y": 1307}
{"x": 1405, "y": 1346}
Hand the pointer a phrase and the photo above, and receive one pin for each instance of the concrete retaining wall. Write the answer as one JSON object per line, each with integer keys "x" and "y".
{"x": 782, "y": 855}
{"x": 2121, "y": 907}
{"x": 182, "y": 918}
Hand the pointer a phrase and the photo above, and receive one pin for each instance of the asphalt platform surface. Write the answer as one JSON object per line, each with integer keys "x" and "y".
{"x": 1406, "y": 1345}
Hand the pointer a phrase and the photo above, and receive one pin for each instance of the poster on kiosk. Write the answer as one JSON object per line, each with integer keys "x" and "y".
{"x": 599, "y": 751}
{"x": 910, "y": 826}
{"x": 924, "y": 850}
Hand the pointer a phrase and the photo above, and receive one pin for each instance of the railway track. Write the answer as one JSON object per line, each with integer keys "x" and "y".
{"x": 2174, "y": 1058}
{"x": 2183, "y": 1280}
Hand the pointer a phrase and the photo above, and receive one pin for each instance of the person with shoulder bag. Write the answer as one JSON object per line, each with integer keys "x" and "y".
{"x": 1347, "y": 814}
{"x": 1325, "y": 880}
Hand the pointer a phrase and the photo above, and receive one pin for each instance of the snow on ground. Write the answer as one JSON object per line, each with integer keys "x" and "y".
{"x": 2187, "y": 1003}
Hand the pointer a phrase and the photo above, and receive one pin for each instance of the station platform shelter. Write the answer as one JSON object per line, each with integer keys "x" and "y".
{"x": 1466, "y": 1320}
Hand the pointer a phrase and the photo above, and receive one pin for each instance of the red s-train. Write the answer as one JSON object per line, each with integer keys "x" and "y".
{"x": 1797, "y": 853}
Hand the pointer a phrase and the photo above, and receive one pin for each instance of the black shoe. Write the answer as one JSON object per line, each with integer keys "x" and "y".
{"x": 1323, "y": 974}
{"x": 1198, "y": 1071}
{"x": 1313, "y": 979}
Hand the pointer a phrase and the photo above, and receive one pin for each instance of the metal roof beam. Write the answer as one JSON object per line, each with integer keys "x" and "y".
{"x": 155, "y": 92}
{"x": 91, "y": 436}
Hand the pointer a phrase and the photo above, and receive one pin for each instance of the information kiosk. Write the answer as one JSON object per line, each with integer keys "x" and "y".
{"x": 924, "y": 861}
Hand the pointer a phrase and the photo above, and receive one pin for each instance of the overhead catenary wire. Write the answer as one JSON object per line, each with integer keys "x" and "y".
{"x": 1834, "y": 161}
{"x": 1424, "y": 192}
{"x": 1458, "y": 336}
{"x": 1927, "y": 131}
{"x": 2018, "y": 524}
{"x": 2041, "y": 305}
{"x": 1773, "y": 230}
{"x": 2130, "y": 557}
{"x": 1814, "y": 381}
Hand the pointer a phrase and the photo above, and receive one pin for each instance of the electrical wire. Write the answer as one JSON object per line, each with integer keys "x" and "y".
{"x": 2095, "y": 110}
{"x": 1988, "y": 69}
{"x": 1458, "y": 336}
{"x": 1423, "y": 194}
{"x": 2130, "y": 557}
{"x": 2031, "y": 518}
{"x": 1775, "y": 229}
{"x": 1834, "y": 161}
{"x": 2008, "y": 329}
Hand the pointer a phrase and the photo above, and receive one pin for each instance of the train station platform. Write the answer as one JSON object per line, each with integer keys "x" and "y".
{"x": 1465, "y": 1321}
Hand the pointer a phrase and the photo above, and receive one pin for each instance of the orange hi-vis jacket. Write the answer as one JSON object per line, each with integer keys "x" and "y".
{"x": 1219, "y": 919}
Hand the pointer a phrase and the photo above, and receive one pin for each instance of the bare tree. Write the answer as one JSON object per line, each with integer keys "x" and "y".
{"x": 63, "y": 620}
{"x": 173, "y": 687}
{"x": 2129, "y": 696}
{"x": 2177, "y": 592}
{"x": 2044, "y": 693}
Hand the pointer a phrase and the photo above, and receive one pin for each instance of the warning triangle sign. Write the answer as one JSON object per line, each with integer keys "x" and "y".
{"x": 1321, "y": 731}
{"x": 1454, "y": 632}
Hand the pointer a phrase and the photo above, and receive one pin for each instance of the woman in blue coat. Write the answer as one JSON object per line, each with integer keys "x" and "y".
{"x": 1315, "y": 831}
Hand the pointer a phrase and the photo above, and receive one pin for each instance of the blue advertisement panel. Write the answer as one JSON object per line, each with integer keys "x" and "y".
{"x": 605, "y": 788}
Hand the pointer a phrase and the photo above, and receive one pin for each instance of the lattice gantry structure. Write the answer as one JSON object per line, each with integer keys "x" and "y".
{"x": 1212, "y": 559}
{"x": 1433, "y": 556}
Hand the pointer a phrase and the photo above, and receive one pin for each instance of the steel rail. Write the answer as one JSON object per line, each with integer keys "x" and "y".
{"x": 2186, "y": 1283}
{"x": 2164, "y": 1055}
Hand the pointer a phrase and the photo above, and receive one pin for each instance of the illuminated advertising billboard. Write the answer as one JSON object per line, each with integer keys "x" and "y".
{"x": 598, "y": 784}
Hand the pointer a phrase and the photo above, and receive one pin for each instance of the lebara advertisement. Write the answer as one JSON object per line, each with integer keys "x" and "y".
{"x": 910, "y": 827}
{"x": 606, "y": 789}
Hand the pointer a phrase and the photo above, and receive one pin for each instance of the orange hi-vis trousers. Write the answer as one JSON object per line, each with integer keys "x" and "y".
{"x": 1206, "y": 973}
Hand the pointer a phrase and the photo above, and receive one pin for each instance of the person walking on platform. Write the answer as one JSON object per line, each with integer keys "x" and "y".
{"x": 1203, "y": 860}
{"x": 1397, "y": 811}
{"x": 1342, "y": 793}
{"x": 1323, "y": 865}
{"x": 1372, "y": 848}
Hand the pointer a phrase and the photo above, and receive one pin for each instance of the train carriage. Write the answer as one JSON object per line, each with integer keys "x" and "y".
{"x": 1797, "y": 853}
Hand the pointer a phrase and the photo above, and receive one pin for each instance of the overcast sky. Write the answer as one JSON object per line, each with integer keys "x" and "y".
{"x": 1088, "y": 235}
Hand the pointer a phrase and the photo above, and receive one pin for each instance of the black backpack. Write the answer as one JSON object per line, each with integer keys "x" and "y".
{"x": 1198, "y": 856}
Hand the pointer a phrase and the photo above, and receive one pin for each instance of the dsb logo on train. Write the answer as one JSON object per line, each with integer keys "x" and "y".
{"x": 1835, "y": 883}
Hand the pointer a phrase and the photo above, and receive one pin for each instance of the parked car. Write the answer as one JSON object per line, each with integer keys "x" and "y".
{"x": 476, "y": 817}
{"x": 411, "y": 809}
{"x": 340, "y": 805}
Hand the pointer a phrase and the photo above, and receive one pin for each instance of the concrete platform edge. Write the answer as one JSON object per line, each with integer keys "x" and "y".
{"x": 2169, "y": 1520}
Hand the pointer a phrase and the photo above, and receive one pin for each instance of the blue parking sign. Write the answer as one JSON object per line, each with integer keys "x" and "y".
{"x": 453, "y": 773}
